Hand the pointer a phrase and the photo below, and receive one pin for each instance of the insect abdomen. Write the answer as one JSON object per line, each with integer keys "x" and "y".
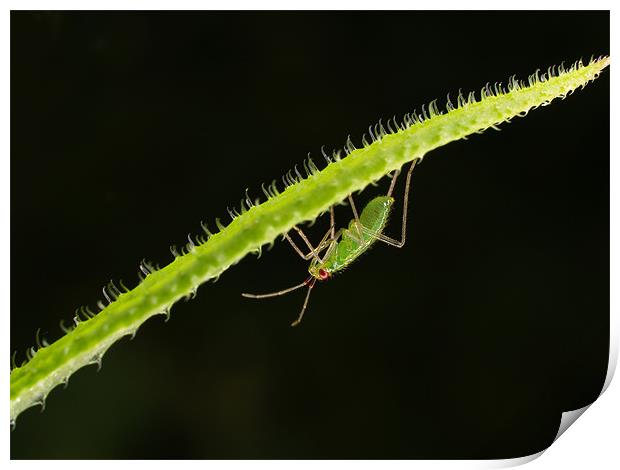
{"x": 354, "y": 242}
{"x": 375, "y": 215}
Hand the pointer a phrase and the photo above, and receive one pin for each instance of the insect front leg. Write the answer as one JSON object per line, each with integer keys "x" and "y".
{"x": 325, "y": 241}
{"x": 314, "y": 252}
{"x": 295, "y": 247}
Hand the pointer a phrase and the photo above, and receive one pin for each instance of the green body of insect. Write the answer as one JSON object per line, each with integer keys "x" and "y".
{"x": 354, "y": 240}
{"x": 339, "y": 249}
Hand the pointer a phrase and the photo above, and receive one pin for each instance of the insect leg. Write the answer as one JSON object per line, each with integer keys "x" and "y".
{"x": 331, "y": 231}
{"x": 314, "y": 252}
{"x": 325, "y": 243}
{"x": 295, "y": 247}
{"x": 381, "y": 237}
{"x": 332, "y": 245}
{"x": 406, "y": 203}
{"x": 393, "y": 183}
{"x": 384, "y": 238}
{"x": 357, "y": 219}
{"x": 353, "y": 208}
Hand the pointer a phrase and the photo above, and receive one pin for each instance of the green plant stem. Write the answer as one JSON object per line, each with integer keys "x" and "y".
{"x": 304, "y": 200}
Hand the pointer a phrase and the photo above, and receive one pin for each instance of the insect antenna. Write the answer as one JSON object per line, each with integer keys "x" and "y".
{"x": 303, "y": 309}
{"x": 308, "y": 282}
{"x": 280, "y": 292}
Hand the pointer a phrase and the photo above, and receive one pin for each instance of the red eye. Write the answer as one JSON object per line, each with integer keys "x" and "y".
{"x": 323, "y": 274}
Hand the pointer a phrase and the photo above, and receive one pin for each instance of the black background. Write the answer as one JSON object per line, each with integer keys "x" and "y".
{"x": 127, "y": 129}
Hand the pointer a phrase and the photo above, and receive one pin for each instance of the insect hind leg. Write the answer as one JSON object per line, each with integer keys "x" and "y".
{"x": 393, "y": 183}
{"x": 384, "y": 238}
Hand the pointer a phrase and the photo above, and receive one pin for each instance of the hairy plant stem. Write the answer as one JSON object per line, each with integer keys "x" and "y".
{"x": 304, "y": 199}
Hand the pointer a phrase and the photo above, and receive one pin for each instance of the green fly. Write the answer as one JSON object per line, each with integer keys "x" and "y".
{"x": 343, "y": 247}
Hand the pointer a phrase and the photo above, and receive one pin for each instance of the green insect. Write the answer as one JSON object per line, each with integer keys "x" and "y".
{"x": 347, "y": 244}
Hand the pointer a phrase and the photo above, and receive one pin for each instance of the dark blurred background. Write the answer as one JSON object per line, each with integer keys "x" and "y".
{"x": 129, "y": 128}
